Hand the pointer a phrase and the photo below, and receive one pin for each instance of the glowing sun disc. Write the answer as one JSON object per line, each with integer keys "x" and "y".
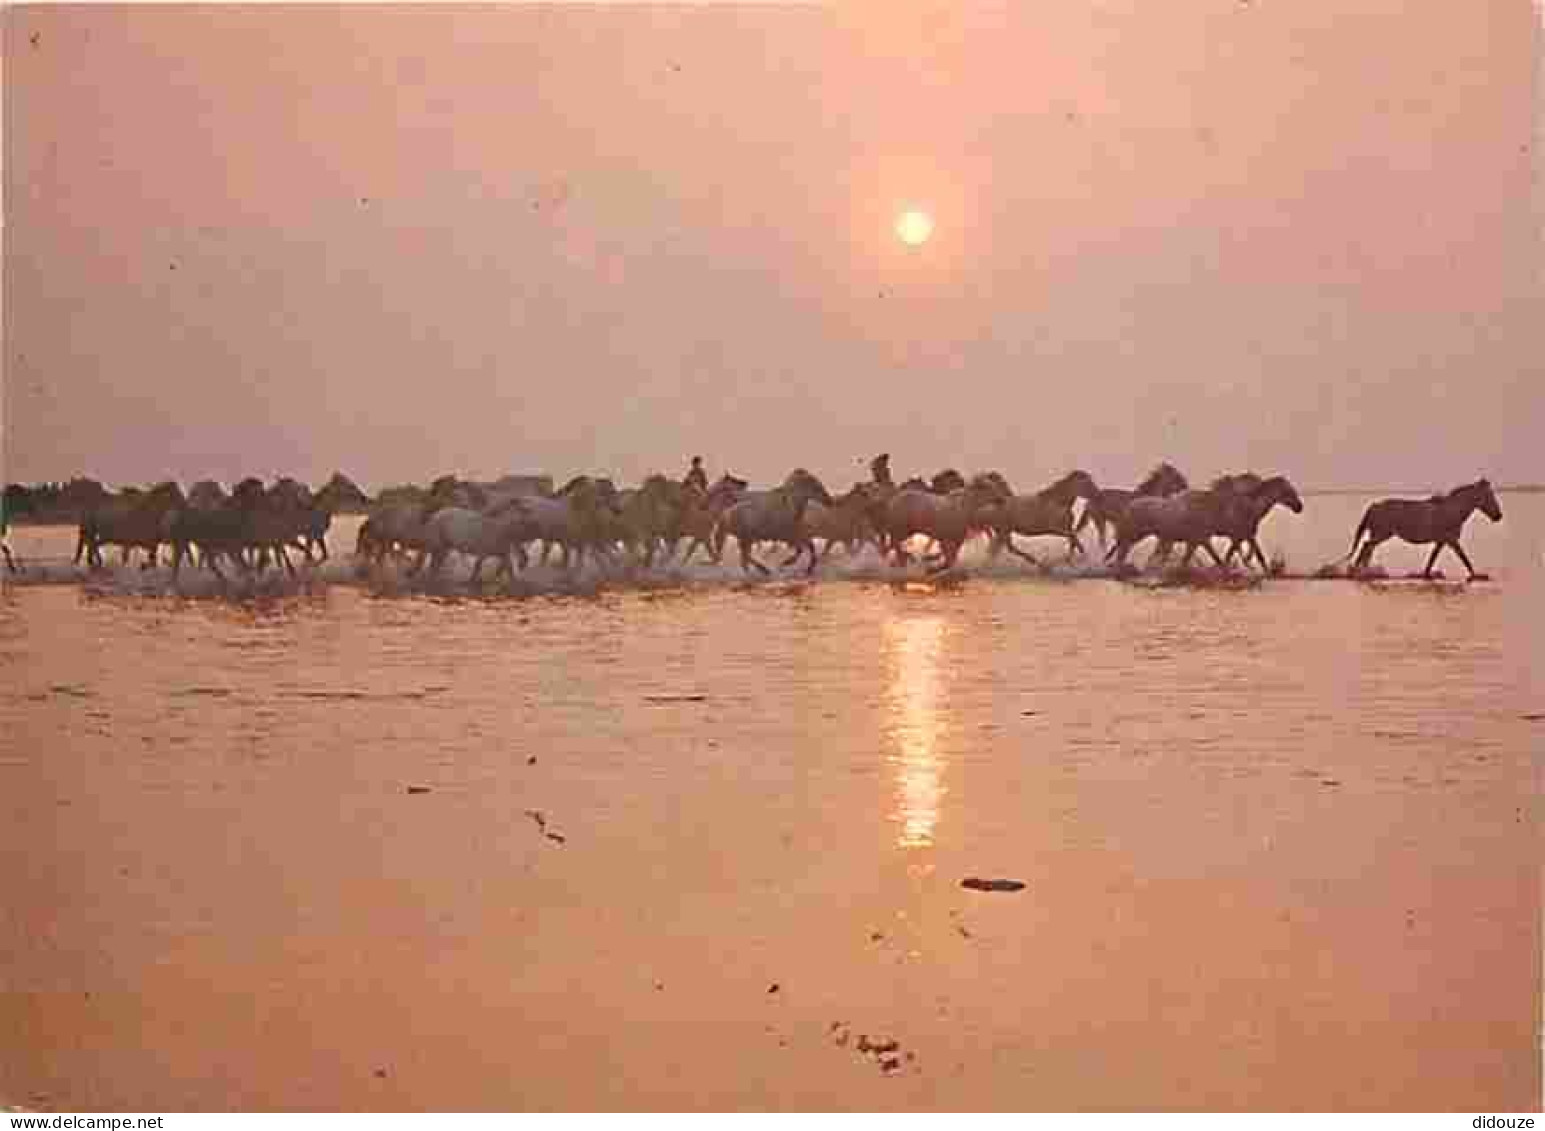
{"x": 914, "y": 227}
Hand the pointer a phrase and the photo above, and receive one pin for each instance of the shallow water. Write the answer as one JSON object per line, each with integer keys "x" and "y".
{"x": 1279, "y": 845}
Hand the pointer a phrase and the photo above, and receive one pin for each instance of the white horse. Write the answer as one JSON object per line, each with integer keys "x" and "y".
{"x": 576, "y": 527}
{"x": 772, "y": 516}
{"x": 499, "y": 533}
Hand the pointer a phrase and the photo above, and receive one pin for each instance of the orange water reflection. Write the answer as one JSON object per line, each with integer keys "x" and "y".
{"x": 915, "y": 644}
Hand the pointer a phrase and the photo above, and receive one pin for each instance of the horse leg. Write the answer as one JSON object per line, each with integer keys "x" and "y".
{"x": 1008, "y": 541}
{"x": 1212, "y": 550}
{"x": 809, "y": 547}
{"x": 1365, "y": 558}
{"x": 1254, "y": 547}
{"x": 1431, "y": 558}
{"x": 477, "y": 571}
{"x": 949, "y": 553}
{"x": 1464, "y": 557}
{"x": 746, "y": 560}
{"x": 10, "y": 562}
{"x": 1075, "y": 546}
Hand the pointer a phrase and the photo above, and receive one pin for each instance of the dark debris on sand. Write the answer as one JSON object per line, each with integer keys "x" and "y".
{"x": 885, "y": 1052}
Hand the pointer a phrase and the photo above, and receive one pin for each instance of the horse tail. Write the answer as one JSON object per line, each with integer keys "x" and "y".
{"x": 1362, "y": 528}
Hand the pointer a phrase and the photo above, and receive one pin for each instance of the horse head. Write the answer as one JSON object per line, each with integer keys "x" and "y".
{"x": 1081, "y": 484}
{"x": 725, "y": 491}
{"x": 987, "y": 487}
{"x": 946, "y": 481}
{"x": 1164, "y": 479}
{"x": 248, "y": 491}
{"x": 804, "y": 486}
{"x": 444, "y": 485}
{"x": 1278, "y": 489}
{"x": 165, "y": 494}
{"x": 1073, "y": 485}
{"x": 998, "y": 483}
{"x": 291, "y": 492}
{"x": 1486, "y": 499}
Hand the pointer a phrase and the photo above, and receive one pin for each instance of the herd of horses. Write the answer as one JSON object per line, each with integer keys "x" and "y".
{"x": 648, "y": 524}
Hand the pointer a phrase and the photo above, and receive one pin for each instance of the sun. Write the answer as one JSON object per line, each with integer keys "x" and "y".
{"x": 914, "y": 226}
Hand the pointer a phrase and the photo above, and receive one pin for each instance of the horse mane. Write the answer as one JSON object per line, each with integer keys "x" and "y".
{"x": 996, "y": 478}
{"x": 1065, "y": 485}
{"x": 802, "y": 474}
{"x": 1245, "y": 483}
{"x": 1457, "y": 492}
{"x": 1161, "y": 471}
{"x": 946, "y": 480}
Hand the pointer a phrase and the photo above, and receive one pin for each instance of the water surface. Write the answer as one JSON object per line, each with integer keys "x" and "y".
{"x": 1278, "y": 844}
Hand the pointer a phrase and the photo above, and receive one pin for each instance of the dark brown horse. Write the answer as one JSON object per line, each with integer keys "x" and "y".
{"x": 947, "y": 519}
{"x": 1242, "y": 521}
{"x": 1437, "y": 520}
{"x": 1105, "y": 507}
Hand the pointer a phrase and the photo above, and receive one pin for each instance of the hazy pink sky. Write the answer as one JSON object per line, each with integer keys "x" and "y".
{"x": 1291, "y": 234}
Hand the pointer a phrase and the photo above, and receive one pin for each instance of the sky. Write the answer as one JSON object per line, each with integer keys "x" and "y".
{"x": 406, "y": 240}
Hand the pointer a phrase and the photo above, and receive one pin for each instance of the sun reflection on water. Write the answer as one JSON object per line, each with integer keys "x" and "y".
{"x": 915, "y": 644}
